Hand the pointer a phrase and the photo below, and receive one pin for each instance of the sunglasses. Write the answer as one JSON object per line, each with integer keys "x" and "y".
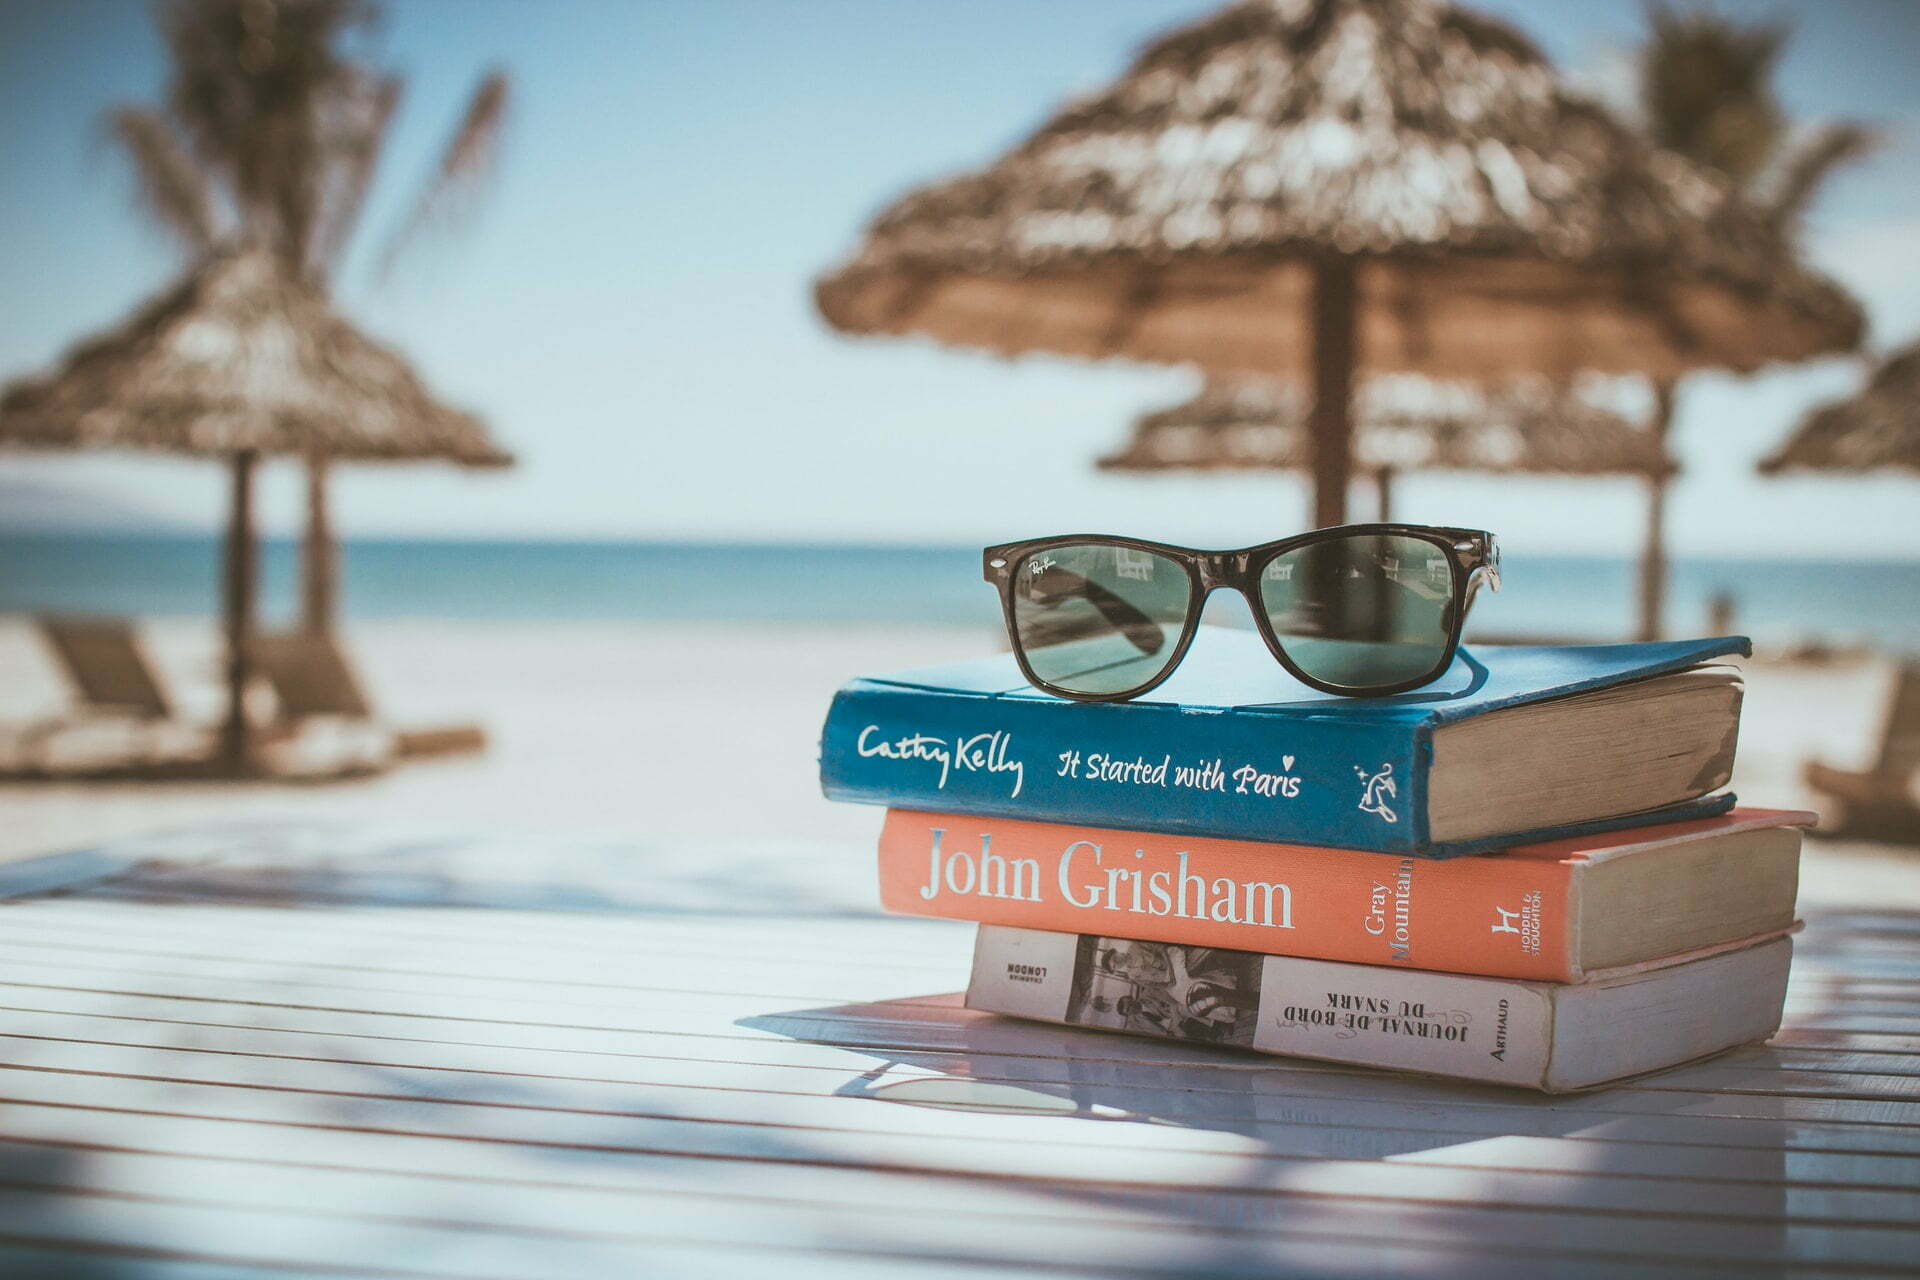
{"x": 1360, "y": 609}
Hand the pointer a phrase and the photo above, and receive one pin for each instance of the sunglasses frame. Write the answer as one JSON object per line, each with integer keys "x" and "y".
{"x": 1472, "y": 555}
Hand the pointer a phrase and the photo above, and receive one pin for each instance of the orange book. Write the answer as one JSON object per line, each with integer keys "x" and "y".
{"x": 1564, "y": 910}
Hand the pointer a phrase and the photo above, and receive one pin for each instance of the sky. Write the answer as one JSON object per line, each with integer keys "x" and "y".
{"x": 630, "y": 306}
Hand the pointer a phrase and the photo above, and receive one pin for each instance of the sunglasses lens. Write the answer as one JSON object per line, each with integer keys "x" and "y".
{"x": 1367, "y": 611}
{"x": 1097, "y": 618}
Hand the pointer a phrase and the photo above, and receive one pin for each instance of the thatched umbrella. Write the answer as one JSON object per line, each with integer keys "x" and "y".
{"x": 1325, "y": 189}
{"x": 240, "y": 361}
{"x": 1403, "y": 423}
{"x": 1875, "y": 429}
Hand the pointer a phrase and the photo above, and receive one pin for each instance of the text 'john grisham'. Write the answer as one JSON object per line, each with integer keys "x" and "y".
{"x": 1086, "y": 875}
{"x": 992, "y": 753}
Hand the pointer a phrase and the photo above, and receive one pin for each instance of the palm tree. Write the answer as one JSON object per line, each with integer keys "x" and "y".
{"x": 270, "y": 134}
{"x": 1706, "y": 91}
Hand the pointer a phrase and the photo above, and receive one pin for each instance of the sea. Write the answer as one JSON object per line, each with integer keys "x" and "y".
{"x": 1779, "y": 602}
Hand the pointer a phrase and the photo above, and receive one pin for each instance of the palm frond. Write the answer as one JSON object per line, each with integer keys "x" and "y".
{"x": 469, "y": 159}
{"x": 1807, "y": 167}
{"x": 359, "y": 139}
{"x": 249, "y": 78}
{"x": 1706, "y": 88}
{"x": 170, "y": 187}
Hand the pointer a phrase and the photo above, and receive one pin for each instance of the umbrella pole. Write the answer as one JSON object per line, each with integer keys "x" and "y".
{"x": 1653, "y": 553}
{"x": 1383, "y": 492}
{"x": 319, "y": 556}
{"x": 236, "y": 735}
{"x": 1335, "y": 337}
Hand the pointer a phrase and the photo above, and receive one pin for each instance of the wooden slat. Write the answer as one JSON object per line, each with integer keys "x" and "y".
{"x": 536, "y": 933}
{"x": 1809, "y": 1074}
{"x": 904, "y": 1028}
{"x": 453, "y": 1248}
{"x": 921, "y": 1026}
{"x": 1344, "y": 1124}
{"x": 914, "y": 1214}
{"x": 745, "y": 1126}
{"x": 35, "y": 942}
{"x": 1907, "y": 1047}
{"x": 661, "y": 1084}
{"x": 23, "y": 1256}
{"x": 178, "y": 1227}
{"x": 262, "y": 962}
{"x": 981, "y": 1197}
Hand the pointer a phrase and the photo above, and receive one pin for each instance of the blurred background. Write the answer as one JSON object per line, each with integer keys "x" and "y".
{"x": 600, "y": 385}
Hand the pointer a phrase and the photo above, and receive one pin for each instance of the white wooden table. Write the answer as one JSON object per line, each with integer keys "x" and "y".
{"x": 282, "y": 1050}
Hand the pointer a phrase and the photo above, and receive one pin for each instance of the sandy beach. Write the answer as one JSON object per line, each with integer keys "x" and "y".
{"x": 660, "y": 730}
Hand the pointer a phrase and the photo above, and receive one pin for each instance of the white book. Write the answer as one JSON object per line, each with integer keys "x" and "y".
{"x": 1537, "y": 1035}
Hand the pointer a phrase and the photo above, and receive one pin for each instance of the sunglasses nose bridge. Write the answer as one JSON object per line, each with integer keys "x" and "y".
{"x": 1221, "y": 569}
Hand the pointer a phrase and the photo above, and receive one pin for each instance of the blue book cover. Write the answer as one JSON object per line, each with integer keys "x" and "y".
{"x": 1230, "y": 746}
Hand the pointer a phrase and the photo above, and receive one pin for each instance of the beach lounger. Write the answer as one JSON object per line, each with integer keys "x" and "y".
{"x": 1879, "y": 802}
{"x": 111, "y": 681}
{"x": 315, "y": 685}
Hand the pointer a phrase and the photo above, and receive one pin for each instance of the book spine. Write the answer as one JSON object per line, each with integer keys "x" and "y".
{"x": 1487, "y": 1029}
{"x": 1152, "y": 767}
{"x": 1507, "y": 917}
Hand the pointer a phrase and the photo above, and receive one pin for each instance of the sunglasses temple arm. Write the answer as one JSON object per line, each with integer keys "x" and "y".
{"x": 1136, "y": 626}
{"x": 1476, "y": 667}
{"x": 1485, "y": 574}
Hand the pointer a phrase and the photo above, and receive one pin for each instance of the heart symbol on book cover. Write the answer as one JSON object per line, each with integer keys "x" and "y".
{"x": 1286, "y": 762}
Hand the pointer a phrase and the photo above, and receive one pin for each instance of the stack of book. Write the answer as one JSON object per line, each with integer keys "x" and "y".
{"x": 1528, "y": 873}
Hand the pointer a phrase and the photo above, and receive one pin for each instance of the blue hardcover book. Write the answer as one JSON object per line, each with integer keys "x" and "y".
{"x": 1514, "y": 744}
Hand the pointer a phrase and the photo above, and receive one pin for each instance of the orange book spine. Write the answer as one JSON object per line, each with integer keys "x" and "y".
{"x": 1508, "y": 917}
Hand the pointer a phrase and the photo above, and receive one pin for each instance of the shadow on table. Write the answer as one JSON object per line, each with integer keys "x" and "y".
{"x": 1322, "y": 1151}
{"x": 317, "y": 865}
{"x": 40, "y": 1217}
{"x": 1719, "y": 1161}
